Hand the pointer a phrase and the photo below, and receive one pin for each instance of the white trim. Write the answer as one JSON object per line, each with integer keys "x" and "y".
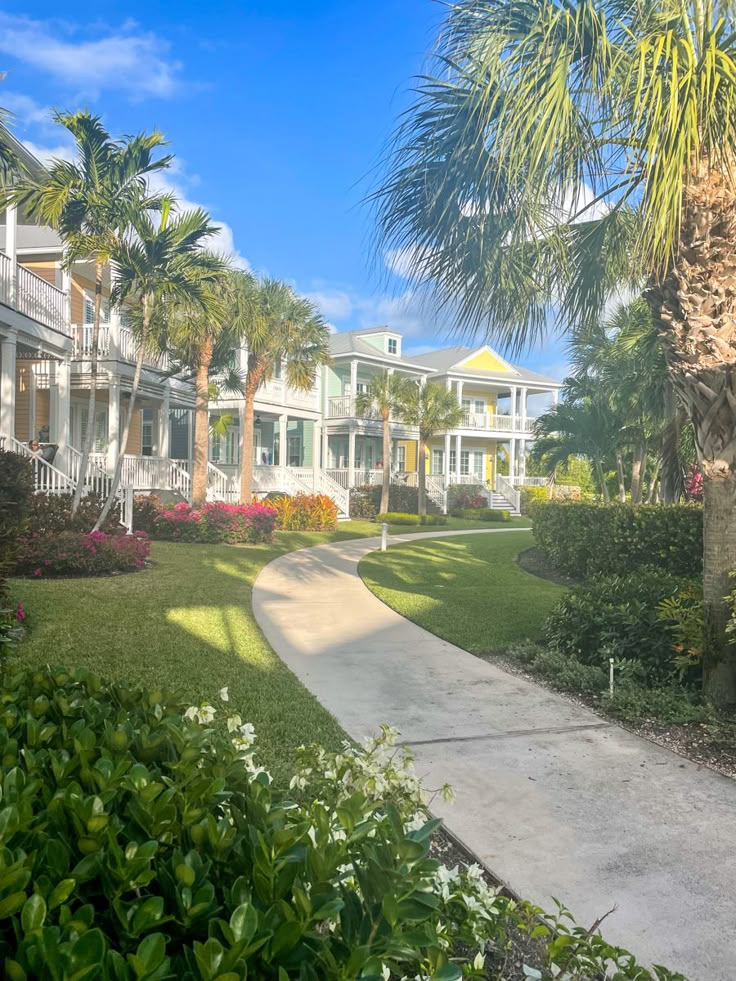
{"x": 485, "y": 348}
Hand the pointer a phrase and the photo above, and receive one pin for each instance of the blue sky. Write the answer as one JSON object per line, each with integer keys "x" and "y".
{"x": 277, "y": 114}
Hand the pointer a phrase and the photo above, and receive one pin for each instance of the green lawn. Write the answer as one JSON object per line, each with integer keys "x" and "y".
{"x": 467, "y": 590}
{"x": 186, "y": 623}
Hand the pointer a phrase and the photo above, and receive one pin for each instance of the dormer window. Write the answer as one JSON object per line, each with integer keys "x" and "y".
{"x": 393, "y": 345}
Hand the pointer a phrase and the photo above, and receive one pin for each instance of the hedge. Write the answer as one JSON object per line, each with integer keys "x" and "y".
{"x": 16, "y": 492}
{"x": 397, "y": 518}
{"x": 235, "y": 524}
{"x": 482, "y": 514}
{"x": 139, "y": 842}
{"x": 581, "y": 539}
{"x": 53, "y": 513}
{"x": 529, "y": 496}
{"x": 365, "y": 502}
{"x": 73, "y": 553}
{"x": 304, "y": 512}
{"x": 620, "y": 617}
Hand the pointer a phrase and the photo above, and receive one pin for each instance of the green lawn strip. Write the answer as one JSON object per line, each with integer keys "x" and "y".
{"x": 360, "y": 528}
{"x": 185, "y": 623}
{"x": 467, "y": 590}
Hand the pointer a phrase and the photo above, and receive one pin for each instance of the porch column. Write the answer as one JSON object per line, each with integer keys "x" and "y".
{"x": 458, "y": 450}
{"x": 11, "y": 251}
{"x": 325, "y": 449}
{"x": 351, "y": 458}
{"x": 8, "y": 347}
{"x": 353, "y": 385}
{"x": 316, "y": 447}
{"x": 283, "y": 428}
{"x": 512, "y": 410}
{"x": 512, "y": 457}
{"x": 162, "y": 417}
{"x": 241, "y": 433}
{"x": 60, "y": 426}
{"x": 523, "y": 409}
{"x": 113, "y": 422}
{"x": 459, "y": 390}
{"x": 66, "y": 286}
{"x": 114, "y": 336}
{"x": 446, "y": 467}
{"x": 32, "y": 386}
{"x": 522, "y": 458}
{"x": 555, "y": 398}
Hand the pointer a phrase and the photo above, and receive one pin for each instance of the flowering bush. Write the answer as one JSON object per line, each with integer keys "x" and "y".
{"x": 177, "y": 855}
{"x": 694, "y": 484}
{"x": 70, "y": 553}
{"x": 12, "y": 626}
{"x": 216, "y": 522}
{"x": 305, "y": 512}
{"x": 465, "y": 502}
{"x": 53, "y": 512}
{"x": 145, "y": 510}
{"x": 459, "y": 494}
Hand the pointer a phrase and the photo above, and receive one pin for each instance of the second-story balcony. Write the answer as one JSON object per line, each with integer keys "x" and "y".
{"x": 116, "y": 343}
{"x": 34, "y": 297}
{"x": 343, "y": 407}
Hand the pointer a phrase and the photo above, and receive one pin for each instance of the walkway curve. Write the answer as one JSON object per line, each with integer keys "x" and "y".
{"x": 554, "y": 799}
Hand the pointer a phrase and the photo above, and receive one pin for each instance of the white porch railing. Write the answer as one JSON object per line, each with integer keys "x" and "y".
{"x": 221, "y": 486}
{"x": 436, "y": 491}
{"x": 528, "y": 481}
{"x": 128, "y": 349}
{"x": 33, "y": 296}
{"x": 340, "y": 406}
{"x": 497, "y": 422}
{"x": 508, "y": 491}
{"x": 97, "y": 479}
{"x": 155, "y": 473}
{"x": 320, "y": 482}
{"x": 46, "y": 477}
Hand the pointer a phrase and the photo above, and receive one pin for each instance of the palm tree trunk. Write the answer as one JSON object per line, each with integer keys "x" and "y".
{"x": 202, "y": 424}
{"x": 422, "y": 479}
{"x": 637, "y": 472}
{"x": 621, "y": 477}
{"x": 89, "y": 437}
{"x": 719, "y": 560}
{"x": 246, "y": 462}
{"x": 651, "y": 496}
{"x": 386, "y": 486}
{"x": 602, "y": 479}
{"x": 128, "y": 418}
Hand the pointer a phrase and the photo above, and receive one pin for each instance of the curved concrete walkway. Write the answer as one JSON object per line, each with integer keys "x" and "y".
{"x": 551, "y": 797}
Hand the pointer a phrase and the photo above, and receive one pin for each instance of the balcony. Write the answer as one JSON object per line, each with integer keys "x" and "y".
{"x": 497, "y": 422}
{"x": 24, "y": 291}
{"x": 124, "y": 350}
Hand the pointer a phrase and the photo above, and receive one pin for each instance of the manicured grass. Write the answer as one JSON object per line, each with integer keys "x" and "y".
{"x": 359, "y": 528}
{"x": 185, "y": 623}
{"x": 467, "y": 590}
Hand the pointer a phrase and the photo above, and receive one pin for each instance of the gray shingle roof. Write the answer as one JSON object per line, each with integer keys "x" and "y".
{"x": 447, "y": 357}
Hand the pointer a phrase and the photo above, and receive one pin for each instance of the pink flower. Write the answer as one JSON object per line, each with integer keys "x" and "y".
{"x": 20, "y": 613}
{"x": 38, "y": 572}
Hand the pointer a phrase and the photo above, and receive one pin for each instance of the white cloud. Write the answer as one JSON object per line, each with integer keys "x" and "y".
{"x": 336, "y": 304}
{"x": 25, "y": 109}
{"x": 63, "y": 151}
{"x": 124, "y": 58}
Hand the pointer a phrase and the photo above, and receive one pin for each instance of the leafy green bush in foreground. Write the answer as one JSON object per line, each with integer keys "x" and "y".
{"x": 139, "y": 842}
{"x": 398, "y": 518}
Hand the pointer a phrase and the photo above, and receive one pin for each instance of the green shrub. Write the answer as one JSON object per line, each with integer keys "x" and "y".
{"x": 397, "y": 518}
{"x": 617, "y": 616}
{"x": 16, "y": 493}
{"x": 74, "y": 553}
{"x": 563, "y": 672}
{"x": 365, "y": 502}
{"x": 482, "y": 514}
{"x": 529, "y": 496}
{"x": 53, "y": 513}
{"x": 304, "y": 512}
{"x": 582, "y": 539}
{"x": 139, "y": 842}
{"x": 666, "y": 706}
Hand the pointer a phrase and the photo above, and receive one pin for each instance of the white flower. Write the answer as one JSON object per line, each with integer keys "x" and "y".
{"x": 234, "y": 722}
{"x": 479, "y": 961}
{"x": 385, "y": 973}
{"x": 224, "y": 694}
{"x": 204, "y": 714}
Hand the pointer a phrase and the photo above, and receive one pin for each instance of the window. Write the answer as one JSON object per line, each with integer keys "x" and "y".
{"x": 393, "y": 345}
{"x": 89, "y": 309}
{"x": 401, "y": 458}
{"x": 361, "y": 387}
{"x": 453, "y": 461}
{"x": 438, "y": 461}
{"x": 479, "y": 406}
{"x": 464, "y": 461}
{"x": 277, "y": 370}
{"x": 477, "y": 464}
{"x": 147, "y": 433}
{"x": 294, "y": 450}
{"x": 466, "y": 404}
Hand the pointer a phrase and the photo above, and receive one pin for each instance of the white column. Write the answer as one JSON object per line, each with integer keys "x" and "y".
{"x": 66, "y": 285}
{"x": 11, "y": 248}
{"x": 283, "y": 428}
{"x": 60, "y": 430}
{"x": 353, "y": 386}
{"x": 460, "y": 393}
{"x": 190, "y": 434}
{"x": 316, "y": 446}
{"x": 32, "y": 431}
{"x": 114, "y": 336}
{"x": 164, "y": 428}
{"x": 555, "y": 397}
{"x": 512, "y": 457}
{"x": 522, "y": 458}
{"x": 351, "y": 458}
{"x": 447, "y": 459}
{"x": 458, "y": 450}
{"x": 325, "y": 448}
{"x": 523, "y": 396}
{"x": 241, "y": 434}
{"x": 113, "y": 422}
{"x": 7, "y": 384}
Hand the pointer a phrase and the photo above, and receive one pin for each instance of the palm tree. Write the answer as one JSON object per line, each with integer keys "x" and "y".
{"x": 623, "y": 172}
{"x": 386, "y": 393}
{"x": 433, "y": 410}
{"x": 88, "y": 201}
{"x": 160, "y": 258}
{"x": 579, "y": 427}
{"x": 278, "y": 328}
{"x": 9, "y": 162}
{"x": 200, "y": 334}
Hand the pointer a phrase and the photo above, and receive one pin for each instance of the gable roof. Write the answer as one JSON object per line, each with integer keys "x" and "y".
{"x": 353, "y": 342}
{"x": 451, "y": 359}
